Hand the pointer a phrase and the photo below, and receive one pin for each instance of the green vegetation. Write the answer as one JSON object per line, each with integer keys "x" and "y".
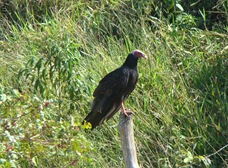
{"x": 53, "y": 54}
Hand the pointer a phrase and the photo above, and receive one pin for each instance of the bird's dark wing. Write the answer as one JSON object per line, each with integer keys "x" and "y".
{"x": 108, "y": 96}
{"x": 116, "y": 79}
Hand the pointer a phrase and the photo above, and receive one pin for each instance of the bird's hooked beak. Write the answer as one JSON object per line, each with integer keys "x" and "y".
{"x": 138, "y": 53}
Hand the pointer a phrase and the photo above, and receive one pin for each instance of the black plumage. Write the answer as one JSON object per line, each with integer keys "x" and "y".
{"x": 113, "y": 90}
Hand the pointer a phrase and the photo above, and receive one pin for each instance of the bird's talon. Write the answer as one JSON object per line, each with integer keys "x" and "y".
{"x": 124, "y": 113}
{"x": 127, "y": 112}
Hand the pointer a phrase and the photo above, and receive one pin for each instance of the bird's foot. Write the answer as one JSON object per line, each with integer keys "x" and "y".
{"x": 127, "y": 112}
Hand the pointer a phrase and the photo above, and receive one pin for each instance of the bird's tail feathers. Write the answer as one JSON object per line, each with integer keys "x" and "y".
{"x": 94, "y": 120}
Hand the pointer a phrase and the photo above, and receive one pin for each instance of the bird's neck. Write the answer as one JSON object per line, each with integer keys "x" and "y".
{"x": 131, "y": 63}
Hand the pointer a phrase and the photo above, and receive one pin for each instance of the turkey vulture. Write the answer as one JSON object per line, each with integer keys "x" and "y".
{"x": 113, "y": 90}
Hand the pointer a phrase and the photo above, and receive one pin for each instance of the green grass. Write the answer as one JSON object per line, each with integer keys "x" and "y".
{"x": 50, "y": 66}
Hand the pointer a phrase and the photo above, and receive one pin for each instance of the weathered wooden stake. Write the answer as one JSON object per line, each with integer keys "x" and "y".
{"x": 127, "y": 140}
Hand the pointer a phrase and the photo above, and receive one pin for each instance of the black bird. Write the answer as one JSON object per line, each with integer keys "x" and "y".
{"x": 113, "y": 90}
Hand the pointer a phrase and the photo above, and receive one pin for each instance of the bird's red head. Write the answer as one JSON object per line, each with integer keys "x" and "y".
{"x": 138, "y": 53}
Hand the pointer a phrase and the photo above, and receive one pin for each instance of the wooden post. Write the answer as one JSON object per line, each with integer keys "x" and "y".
{"x": 127, "y": 140}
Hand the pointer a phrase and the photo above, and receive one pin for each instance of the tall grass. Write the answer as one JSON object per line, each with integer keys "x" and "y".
{"x": 50, "y": 67}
